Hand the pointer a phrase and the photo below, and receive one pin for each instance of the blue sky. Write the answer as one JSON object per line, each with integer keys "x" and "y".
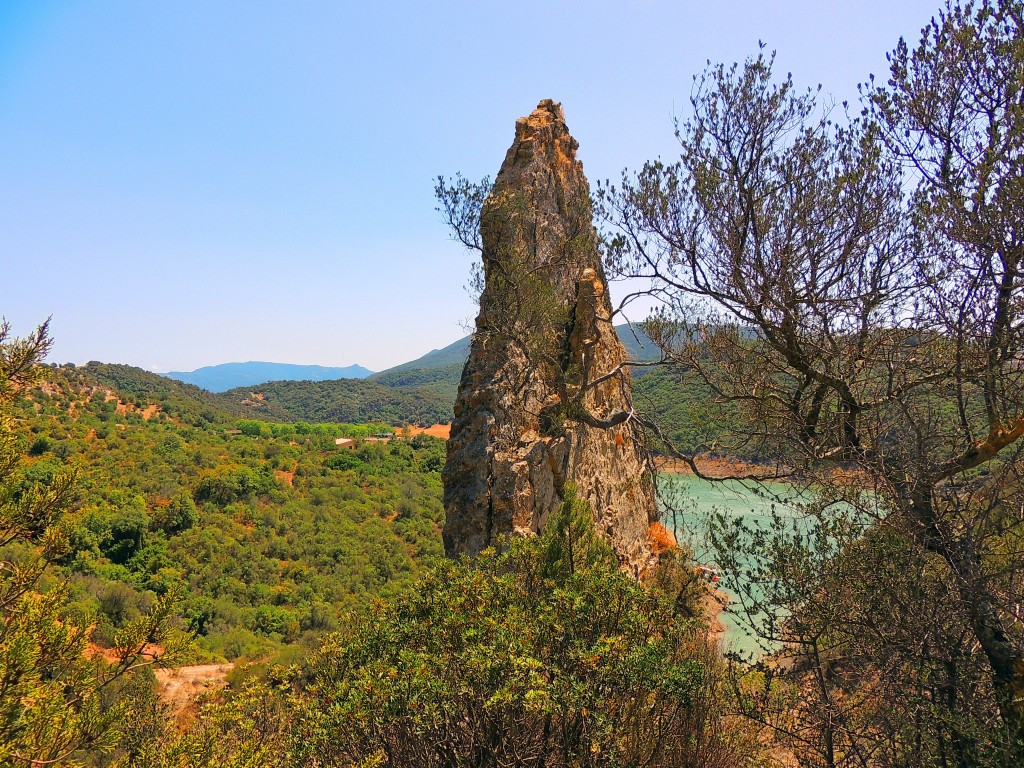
{"x": 190, "y": 183}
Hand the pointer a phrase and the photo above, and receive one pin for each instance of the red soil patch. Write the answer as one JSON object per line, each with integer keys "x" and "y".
{"x": 288, "y": 477}
{"x": 442, "y": 431}
{"x": 660, "y": 538}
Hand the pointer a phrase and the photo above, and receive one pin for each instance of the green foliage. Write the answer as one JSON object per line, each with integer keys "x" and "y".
{"x": 687, "y": 413}
{"x": 543, "y": 654}
{"x": 528, "y": 657}
{"x": 570, "y": 543}
{"x": 345, "y": 400}
{"x": 179, "y": 515}
{"x": 235, "y": 484}
{"x": 249, "y": 730}
{"x": 186, "y": 402}
{"x": 55, "y": 700}
{"x": 270, "y": 535}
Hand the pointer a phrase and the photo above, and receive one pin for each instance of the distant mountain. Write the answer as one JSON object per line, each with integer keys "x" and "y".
{"x": 221, "y": 378}
{"x": 639, "y": 347}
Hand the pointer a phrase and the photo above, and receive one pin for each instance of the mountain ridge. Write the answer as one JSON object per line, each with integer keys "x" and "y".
{"x": 224, "y": 376}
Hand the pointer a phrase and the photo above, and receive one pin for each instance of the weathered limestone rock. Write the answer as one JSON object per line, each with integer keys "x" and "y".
{"x": 543, "y": 400}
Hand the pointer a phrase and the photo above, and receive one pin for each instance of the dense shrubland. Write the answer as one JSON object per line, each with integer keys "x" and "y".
{"x": 259, "y": 542}
{"x": 423, "y": 399}
{"x": 269, "y": 531}
{"x": 544, "y": 654}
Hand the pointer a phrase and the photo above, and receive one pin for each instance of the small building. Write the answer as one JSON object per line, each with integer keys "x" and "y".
{"x": 346, "y": 442}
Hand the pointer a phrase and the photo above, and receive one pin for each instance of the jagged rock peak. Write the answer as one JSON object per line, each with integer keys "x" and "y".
{"x": 536, "y": 407}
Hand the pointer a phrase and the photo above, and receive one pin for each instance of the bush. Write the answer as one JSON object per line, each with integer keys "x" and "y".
{"x": 239, "y": 484}
{"x": 544, "y": 654}
{"x": 180, "y": 515}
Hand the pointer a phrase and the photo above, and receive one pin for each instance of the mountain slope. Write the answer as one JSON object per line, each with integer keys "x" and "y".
{"x": 344, "y": 400}
{"x": 454, "y": 354}
{"x": 187, "y": 401}
{"x": 420, "y": 391}
{"x": 639, "y": 347}
{"x": 220, "y": 378}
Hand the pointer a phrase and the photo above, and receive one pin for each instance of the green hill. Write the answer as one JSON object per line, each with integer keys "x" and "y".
{"x": 638, "y": 346}
{"x": 350, "y": 400}
{"x": 421, "y": 391}
{"x": 270, "y": 531}
{"x": 454, "y": 354}
{"x": 134, "y": 385}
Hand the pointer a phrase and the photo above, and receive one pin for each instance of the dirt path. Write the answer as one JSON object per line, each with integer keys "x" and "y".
{"x": 178, "y": 688}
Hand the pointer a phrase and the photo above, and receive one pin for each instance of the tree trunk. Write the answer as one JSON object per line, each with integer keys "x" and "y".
{"x": 980, "y": 605}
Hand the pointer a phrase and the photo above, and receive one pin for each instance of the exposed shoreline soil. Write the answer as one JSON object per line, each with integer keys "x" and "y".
{"x": 718, "y": 467}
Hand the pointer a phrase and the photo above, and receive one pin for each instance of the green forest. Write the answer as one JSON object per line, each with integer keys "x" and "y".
{"x": 270, "y": 529}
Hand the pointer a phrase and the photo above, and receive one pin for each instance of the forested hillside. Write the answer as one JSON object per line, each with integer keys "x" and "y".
{"x": 353, "y": 400}
{"x": 269, "y": 532}
{"x": 423, "y": 392}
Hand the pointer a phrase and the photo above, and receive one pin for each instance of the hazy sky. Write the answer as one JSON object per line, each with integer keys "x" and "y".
{"x": 189, "y": 183}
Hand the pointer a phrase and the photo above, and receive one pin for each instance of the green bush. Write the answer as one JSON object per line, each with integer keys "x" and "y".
{"x": 544, "y": 654}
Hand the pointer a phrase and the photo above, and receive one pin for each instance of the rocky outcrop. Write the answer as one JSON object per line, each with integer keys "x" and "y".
{"x": 544, "y": 399}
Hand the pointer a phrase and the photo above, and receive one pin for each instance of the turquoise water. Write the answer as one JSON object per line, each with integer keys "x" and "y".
{"x": 690, "y": 500}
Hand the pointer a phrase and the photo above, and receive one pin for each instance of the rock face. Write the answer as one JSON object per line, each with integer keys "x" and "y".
{"x": 543, "y": 400}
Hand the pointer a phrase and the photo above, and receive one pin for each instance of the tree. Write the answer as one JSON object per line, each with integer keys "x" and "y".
{"x": 864, "y": 331}
{"x": 55, "y": 700}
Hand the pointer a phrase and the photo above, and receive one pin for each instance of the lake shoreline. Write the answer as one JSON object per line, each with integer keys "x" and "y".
{"x": 720, "y": 466}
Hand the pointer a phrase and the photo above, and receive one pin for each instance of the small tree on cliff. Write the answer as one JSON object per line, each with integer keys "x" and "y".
{"x": 859, "y": 329}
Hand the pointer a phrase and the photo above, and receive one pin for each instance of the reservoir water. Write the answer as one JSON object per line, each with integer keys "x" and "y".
{"x": 689, "y": 501}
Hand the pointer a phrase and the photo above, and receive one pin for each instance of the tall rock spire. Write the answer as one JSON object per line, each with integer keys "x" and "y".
{"x": 543, "y": 399}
